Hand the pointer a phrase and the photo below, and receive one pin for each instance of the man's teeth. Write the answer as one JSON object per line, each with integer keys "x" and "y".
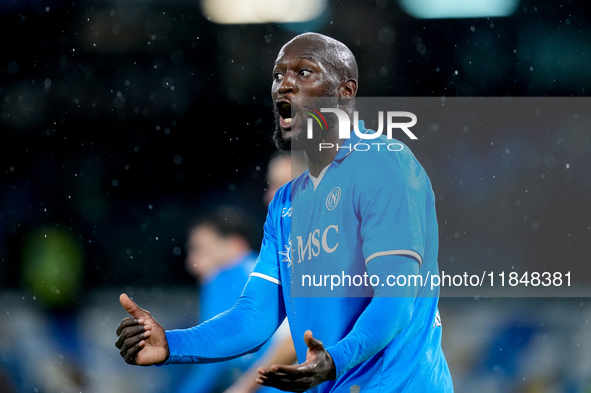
{"x": 288, "y": 120}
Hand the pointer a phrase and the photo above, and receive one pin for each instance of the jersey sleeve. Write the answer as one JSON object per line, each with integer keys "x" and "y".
{"x": 375, "y": 328}
{"x": 267, "y": 266}
{"x": 251, "y": 322}
{"x": 241, "y": 330}
{"x": 393, "y": 199}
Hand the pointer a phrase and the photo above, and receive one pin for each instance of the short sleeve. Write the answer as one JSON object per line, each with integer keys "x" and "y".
{"x": 393, "y": 203}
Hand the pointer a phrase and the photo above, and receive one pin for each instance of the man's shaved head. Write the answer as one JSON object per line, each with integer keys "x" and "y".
{"x": 315, "y": 66}
{"x": 333, "y": 53}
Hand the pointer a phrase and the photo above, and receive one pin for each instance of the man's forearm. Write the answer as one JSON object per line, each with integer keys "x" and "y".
{"x": 242, "y": 329}
{"x": 388, "y": 313}
{"x": 379, "y": 323}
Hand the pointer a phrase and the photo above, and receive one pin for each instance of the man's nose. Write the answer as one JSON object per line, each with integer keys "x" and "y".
{"x": 287, "y": 84}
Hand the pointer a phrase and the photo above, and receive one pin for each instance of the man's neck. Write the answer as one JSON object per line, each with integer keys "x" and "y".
{"x": 318, "y": 160}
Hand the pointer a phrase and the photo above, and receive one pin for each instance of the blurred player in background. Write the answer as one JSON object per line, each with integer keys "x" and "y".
{"x": 283, "y": 166}
{"x": 220, "y": 255}
{"x": 384, "y": 225}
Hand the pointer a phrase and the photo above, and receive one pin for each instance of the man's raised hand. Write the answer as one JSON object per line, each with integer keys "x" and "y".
{"x": 141, "y": 339}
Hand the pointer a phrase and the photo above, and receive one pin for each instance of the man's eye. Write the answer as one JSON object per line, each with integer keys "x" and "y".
{"x": 278, "y": 76}
{"x": 305, "y": 72}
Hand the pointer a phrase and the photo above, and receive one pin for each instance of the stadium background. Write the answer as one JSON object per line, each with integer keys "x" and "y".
{"x": 120, "y": 120}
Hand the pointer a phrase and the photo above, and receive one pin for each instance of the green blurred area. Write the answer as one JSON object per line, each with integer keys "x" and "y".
{"x": 53, "y": 266}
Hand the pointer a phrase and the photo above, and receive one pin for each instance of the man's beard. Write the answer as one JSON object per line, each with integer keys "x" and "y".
{"x": 280, "y": 143}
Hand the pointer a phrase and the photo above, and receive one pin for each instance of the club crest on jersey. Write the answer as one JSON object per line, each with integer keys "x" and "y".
{"x": 333, "y": 198}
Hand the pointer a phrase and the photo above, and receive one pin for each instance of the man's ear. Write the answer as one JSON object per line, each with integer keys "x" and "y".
{"x": 347, "y": 90}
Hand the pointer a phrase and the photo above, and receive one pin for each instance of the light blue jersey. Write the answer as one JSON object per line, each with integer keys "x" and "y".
{"x": 364, "y": 206}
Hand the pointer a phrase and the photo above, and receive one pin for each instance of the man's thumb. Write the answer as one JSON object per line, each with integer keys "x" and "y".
{"x": 311, "y": 342}
{"x": 132, "y": 308}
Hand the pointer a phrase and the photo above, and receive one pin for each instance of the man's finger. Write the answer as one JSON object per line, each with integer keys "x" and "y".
{"x": 130, "y": 355}
{"x": 130, "y": 343}
{"x": 287, "y": 383}
{"x": 312, "y": 343}
{"x": 297, "y": 370}
{"x": 129, "y": 332}
{"x": 129, "y": 321}
{"x": 132, "y": 308}
{"x": 262, "y": 370}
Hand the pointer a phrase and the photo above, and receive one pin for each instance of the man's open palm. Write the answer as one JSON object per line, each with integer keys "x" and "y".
{"x": 141, "y": 339}
{"x": 318, "y": 367}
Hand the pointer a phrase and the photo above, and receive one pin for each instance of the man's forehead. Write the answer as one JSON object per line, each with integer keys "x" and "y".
{"x": 302, "y": 48}
{"x": 285, "y": 57}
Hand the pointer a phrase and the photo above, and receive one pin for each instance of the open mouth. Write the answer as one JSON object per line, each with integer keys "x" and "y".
{"x": 286, "y": 118}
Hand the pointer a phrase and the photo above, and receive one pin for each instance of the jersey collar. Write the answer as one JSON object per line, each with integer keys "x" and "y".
{"x": 342, "y": 153}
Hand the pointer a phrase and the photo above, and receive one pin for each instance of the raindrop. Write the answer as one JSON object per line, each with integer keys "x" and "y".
{"x": 387, "y": 35}
{"x": 12, "y": 67}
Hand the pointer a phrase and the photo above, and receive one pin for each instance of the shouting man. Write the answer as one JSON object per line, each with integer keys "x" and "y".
{"x": 352, "y": 214}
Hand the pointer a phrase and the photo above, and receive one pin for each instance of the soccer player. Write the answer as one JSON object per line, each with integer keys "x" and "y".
{"x": 369, "y": 213}
{"x": 283, "y": 167}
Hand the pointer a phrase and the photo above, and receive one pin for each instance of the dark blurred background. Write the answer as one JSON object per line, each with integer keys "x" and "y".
{"x": 122, "y": 120}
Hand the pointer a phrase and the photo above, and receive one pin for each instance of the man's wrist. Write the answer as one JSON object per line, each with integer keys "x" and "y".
{"x": 332, "y": 375}
{"x": 167, "y": 338}
{"x": 338, "y": 361}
